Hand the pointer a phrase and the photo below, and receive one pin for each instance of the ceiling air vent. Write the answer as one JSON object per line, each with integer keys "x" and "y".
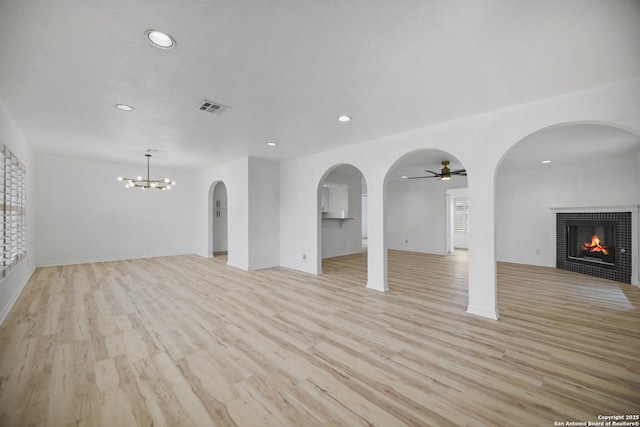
{"x": 213, "y": 107}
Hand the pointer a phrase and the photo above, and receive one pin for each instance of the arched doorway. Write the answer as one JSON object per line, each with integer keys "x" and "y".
{"x": 420, "y": 215}
{"x": 218, "y": 219}
{"x": 569, "y": 168}
{"x": 342, "y": 210}
{"x": 426, "y": 213}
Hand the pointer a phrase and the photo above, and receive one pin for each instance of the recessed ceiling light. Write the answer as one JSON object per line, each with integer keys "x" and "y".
{"x": 546, "y": 162}
{"x": 272, "y": 144}
{"x": 160, "y": 39}
{"x": 344, "y": 118}
{"x": 125, "y": 107}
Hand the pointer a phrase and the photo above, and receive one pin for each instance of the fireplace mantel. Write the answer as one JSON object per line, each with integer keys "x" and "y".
{"x": 566, "y": 209}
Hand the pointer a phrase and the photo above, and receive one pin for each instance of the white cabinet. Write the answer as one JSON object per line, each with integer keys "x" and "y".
{"x": 220, "y": 196}
{"x": 324, "y": 200}
{"x": 334, "y": 200}
{"x": 220, "y": 233}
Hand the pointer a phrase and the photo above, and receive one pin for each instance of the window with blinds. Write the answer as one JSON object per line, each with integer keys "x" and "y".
{"x": 461, "y": 206}
{"x": 13, "y": 236}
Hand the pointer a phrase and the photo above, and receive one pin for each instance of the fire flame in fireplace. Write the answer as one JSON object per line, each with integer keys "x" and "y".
{"x": 595, "y": 246}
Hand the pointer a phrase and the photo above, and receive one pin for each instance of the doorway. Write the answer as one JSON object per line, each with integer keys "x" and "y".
{"x": 342, "y": 227}
{"x": 219, "y": 220}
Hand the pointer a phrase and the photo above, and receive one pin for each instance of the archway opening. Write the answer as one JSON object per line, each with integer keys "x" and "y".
{"x": 218, "y": 220}
{"x": 342, "y": 225}
{"x": 426, "y": 217}
{"x": 572, "y": 169}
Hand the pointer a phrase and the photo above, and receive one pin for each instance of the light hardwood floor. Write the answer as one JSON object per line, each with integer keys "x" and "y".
{"x": 187, "y": 341}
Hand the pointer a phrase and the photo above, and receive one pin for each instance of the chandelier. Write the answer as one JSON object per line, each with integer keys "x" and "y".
{"x": 139, "y": 182}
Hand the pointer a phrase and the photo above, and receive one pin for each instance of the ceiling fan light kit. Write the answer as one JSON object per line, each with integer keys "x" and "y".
{"x": 445, "y": 173}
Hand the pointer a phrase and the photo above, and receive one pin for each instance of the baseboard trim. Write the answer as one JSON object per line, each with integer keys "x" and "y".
{"x": 376, "y": 287}
{"x": 125, "y": 258}
{"x": 489, "y": 314}
{"x": 262, "y": 266}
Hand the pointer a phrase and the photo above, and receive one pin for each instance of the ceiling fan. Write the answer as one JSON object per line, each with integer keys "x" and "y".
{"x": 445, "y": 173}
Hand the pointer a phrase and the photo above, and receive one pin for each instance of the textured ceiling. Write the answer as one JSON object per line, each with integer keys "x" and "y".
{"x": 288, "y": 68}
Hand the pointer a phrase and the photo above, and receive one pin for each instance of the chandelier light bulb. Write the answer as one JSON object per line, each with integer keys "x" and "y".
{"x": 120, "y": 178}
{"x": 168, "y": 187}
{"x": 167, "y": 180}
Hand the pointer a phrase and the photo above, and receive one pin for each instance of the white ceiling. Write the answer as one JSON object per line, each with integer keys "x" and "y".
{"x": 571, "y": 144}
{"x": 288, "y": 68}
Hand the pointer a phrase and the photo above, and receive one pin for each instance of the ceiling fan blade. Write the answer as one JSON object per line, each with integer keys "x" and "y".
{"x": 435, "y": 173}
{"x": 420, "y": 177}
{"x": 459, "y": 172}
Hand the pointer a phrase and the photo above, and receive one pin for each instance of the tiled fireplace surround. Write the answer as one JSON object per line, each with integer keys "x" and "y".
{"x": 626, "y": 218}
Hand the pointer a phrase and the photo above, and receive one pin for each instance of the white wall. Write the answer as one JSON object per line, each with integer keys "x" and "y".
{"x": 525, "y": 225}
{"x": 253, "y": 208}
{"x": 235, "y": 176}
{"x": 342, "y": 237}
{"x": 637, "y": 187}
{"x": 86, "y": 215}
{"x": 16, "y": 279}
{"x": 637, "y": 170}
{"x": 416, "y": 216}
{"x": 364, "y": 215}
{"x": 264, "y": 213}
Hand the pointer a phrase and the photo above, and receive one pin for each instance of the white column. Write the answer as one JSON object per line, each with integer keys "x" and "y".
{"x": 377, "y": 245}
{"x": 482, "y": 255}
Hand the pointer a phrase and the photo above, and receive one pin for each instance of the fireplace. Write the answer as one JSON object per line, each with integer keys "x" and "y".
{"x": 595, "y": 243}
{"x": 592, "y": 242}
